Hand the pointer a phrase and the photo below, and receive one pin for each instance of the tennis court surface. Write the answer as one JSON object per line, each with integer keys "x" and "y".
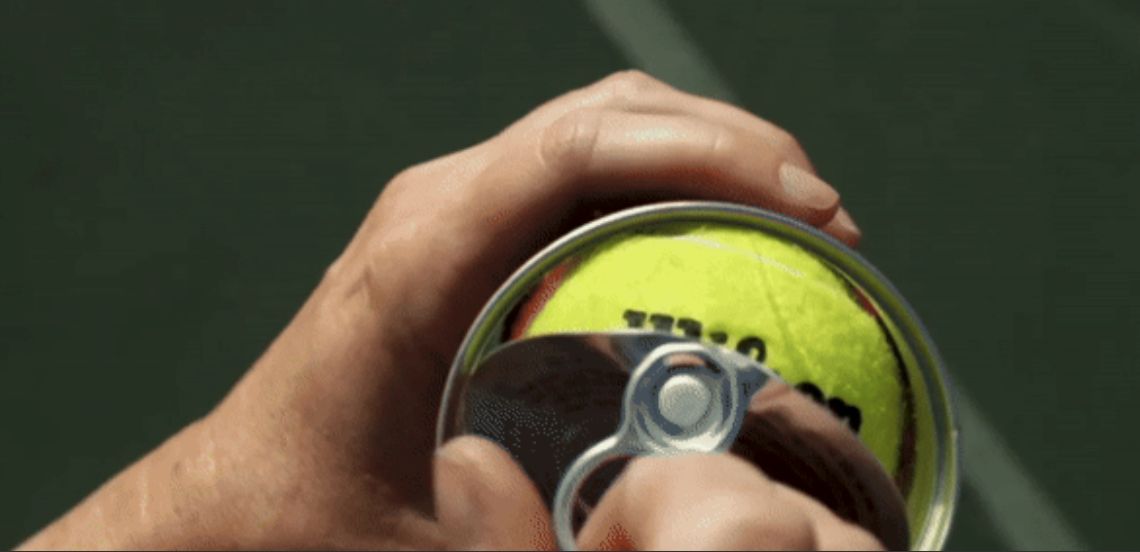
{"x": 177, "y": 175}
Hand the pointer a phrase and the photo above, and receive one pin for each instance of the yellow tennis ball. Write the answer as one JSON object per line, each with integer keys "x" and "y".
{"x": 760, "y": 295}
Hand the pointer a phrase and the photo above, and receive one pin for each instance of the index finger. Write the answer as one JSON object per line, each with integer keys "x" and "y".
{"x": 590, "y": 156}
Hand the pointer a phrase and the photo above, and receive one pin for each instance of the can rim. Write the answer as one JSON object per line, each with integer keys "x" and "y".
{"x": 936, "y": 527}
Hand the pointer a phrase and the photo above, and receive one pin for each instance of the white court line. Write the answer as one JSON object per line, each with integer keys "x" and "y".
{"x": 1016, "y": 505}
{"x": 1019, "y": 509}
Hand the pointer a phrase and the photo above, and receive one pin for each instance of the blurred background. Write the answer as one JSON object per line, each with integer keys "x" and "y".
{"x": 176, "y": 177}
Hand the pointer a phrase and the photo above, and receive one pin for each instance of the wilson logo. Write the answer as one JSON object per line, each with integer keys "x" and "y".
{"x": 751, "y": 346}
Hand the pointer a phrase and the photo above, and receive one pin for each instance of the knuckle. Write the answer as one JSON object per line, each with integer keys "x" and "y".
{"x": 630, "y": 83}
{"x": 727, "y": 149}
{"x": 724, "y": 145}
{"x": 787, "y": 142}
{"x": 335, "y": 270}
{"x": 408, "y": 176}
{"x": 569, "y": 142}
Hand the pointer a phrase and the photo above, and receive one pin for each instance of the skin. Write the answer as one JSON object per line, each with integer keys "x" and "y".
{"x": 327, "y": 441}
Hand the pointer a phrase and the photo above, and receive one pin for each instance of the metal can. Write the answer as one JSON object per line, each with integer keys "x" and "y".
{"x": 932, "y": 490}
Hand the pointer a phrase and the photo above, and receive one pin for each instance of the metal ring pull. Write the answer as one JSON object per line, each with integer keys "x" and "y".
{"x": 682, "y": 397}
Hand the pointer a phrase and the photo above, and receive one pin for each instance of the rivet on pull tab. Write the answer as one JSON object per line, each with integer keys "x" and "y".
{"x": 683, "y": 397}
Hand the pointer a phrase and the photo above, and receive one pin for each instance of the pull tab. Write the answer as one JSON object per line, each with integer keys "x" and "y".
{"x": 682, "y": 397}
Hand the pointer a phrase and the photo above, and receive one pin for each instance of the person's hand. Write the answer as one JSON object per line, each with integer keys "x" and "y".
{"x": 327, "y": 441}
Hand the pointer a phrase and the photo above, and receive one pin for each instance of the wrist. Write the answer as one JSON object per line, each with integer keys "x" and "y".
{"x": 154, "y": 503}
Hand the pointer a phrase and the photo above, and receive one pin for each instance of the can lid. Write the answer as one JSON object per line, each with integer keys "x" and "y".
{"x": 932, "y": 494}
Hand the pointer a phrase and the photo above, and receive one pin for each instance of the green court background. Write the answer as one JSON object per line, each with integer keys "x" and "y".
{"x": 176, "y": 176}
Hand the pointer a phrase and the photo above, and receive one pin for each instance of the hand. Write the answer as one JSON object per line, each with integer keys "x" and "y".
{"x": 327, "y": 441}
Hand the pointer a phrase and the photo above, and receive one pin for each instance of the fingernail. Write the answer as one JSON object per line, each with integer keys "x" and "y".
{"x": 844, "y": 221}
{"x": 807, "y": 189}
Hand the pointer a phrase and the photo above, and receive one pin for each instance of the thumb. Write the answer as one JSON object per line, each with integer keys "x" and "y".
{"x": 484, "y": 500}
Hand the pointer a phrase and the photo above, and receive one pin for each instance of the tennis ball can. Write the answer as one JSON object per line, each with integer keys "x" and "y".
{"x": 763, "y": 285}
